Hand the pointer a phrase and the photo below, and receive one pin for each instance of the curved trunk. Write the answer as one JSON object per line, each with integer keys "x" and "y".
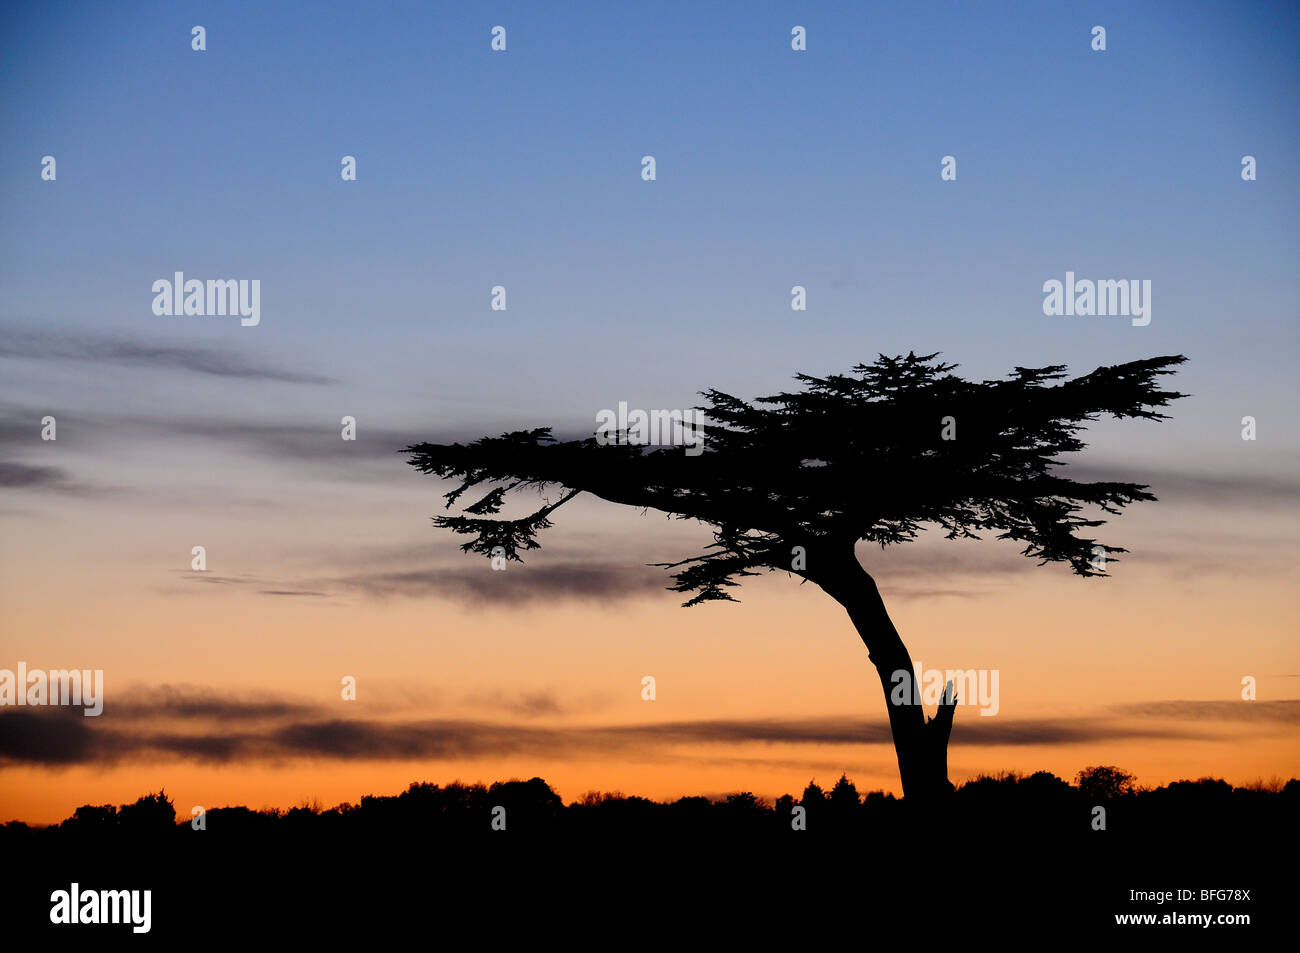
{"x": 922, "y": 746}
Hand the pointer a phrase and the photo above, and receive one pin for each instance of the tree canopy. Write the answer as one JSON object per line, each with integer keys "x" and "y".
{"x": 875, "y": 455}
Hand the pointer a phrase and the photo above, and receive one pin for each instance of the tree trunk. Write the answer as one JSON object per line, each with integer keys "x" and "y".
{"x": 921, "y": 745}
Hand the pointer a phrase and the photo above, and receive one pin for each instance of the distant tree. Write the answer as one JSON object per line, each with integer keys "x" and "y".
{"x": 693, "y": 802}
{"x": 532, "y": 800}
{"x": 743, "y": 800}
{"x": 1203, "y": 789}
{"x": 845, "y": 794}
{"x": 1104, "y": 781}
{"x": 1044, "y": 778}
{"x": 813, "y": 796}
{"x": 792, "y": 482}
{"x": 152, "y": 813}
{"x": 1044, "y": 784}
{"x": 92, "y": 818}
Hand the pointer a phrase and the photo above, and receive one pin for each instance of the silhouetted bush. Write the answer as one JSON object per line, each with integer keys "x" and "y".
{"x": 1104, "y": 782}
{"x": 152, "y": 814}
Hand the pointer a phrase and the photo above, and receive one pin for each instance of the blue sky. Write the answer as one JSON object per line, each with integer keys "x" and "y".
{"x": 775, "y": 168}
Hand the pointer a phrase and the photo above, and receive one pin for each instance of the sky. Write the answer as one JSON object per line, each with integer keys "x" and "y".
{"x": 523, "y": 169}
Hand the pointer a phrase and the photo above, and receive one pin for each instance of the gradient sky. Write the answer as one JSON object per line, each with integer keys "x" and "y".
{"x": 522, "y": 169}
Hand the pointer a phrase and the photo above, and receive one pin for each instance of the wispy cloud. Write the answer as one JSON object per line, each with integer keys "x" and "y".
{"x": 25, "y": 475}
{"x": 1271, "y": 712}
{"x": 88, "y": 347}
{"x": 516, "y": 586}
{"x": 168, "y": 702}
{"x": 1252, "y": 483}
{"x": 910, "y": 593}
{"x": 477, "y": 585}
{"x": 28, "y": 476}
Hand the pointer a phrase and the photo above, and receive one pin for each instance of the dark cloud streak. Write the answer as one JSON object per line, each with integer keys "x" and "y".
{"x": 89, "y": 347}
{"x": 294, "y": 730}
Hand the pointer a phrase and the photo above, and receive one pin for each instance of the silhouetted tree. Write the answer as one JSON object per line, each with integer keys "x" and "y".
{"x": 813, "y": 796}
{"x": 151, "y": 814}
{"x": 92, "y": 819}
{"x": 1045, "y": 781}
{"x": 1104, "y": 781}
{"x": 845, "y": 794}
{"x": 529, "y": 804}
{"x": 1202, "y": 790}
{"x": 877, "y": 800}
{"x": 794, "y": 481}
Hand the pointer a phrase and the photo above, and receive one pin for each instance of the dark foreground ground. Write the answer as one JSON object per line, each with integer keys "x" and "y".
{"x": 1006, "y": 862}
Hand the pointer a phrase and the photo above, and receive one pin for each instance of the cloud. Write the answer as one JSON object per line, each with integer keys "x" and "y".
{"x": 1254, "y": 486}
{"x": 528, "y": 705}
{"x": 86, "y": 438}
{"x": 840, "y": 731}
{"x": 13, "y": 475}
{"x": 932, "y": 558}
{"x": 514, "y": 587}
{"x": 20, "y": 432}
{"x": 51, "y": 736}
{"x": 188, "y": 703}
{"x": 909, "y": 593}
{"x": 191, "y": 702}
{"x": 91, "y": 347}
{"x": 280, "y": 729}
{"x": 296, "y": 442}
{"x": 479, "y": 586}
{"x": 1274, "y": 712}
{"x": 29, "y": 476}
